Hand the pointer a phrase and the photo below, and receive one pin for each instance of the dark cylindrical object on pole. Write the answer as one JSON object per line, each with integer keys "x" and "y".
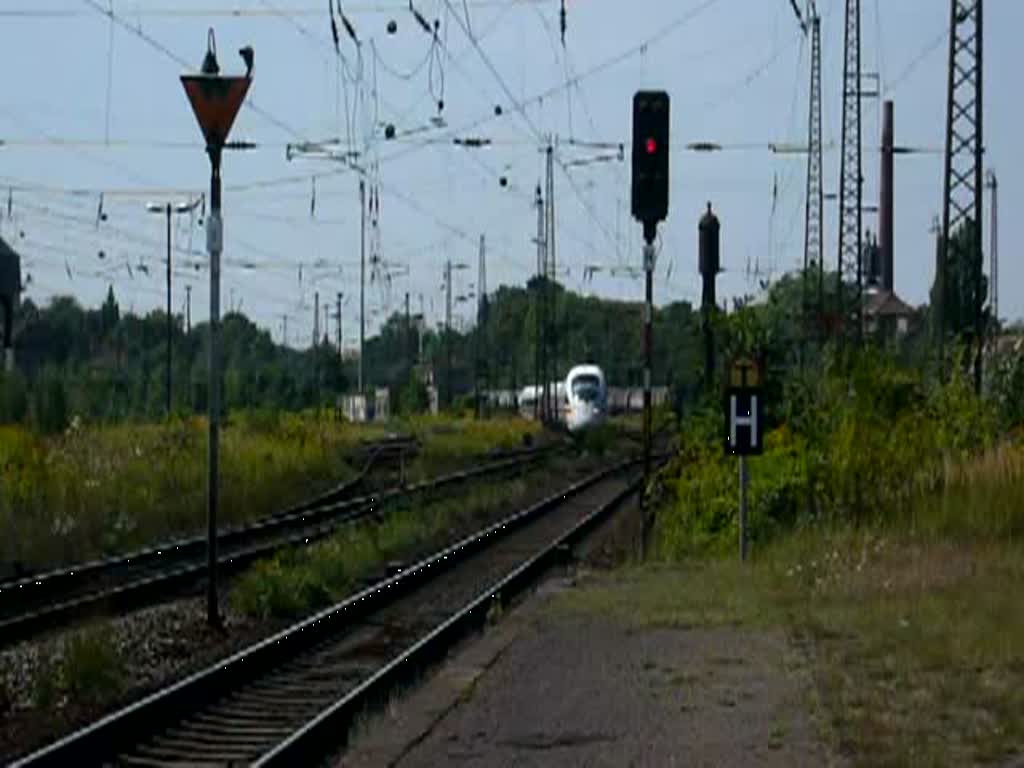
{"x": 885, "y": 203}
{"x": 708, "y": 233}
{"x": 708, "y": 256}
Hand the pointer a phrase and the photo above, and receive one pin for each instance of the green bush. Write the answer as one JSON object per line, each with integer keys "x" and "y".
{"x": 13, "y": 398}
{"x": 858, "y": 443}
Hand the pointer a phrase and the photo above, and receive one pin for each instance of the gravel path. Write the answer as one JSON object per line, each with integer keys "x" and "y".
{"x": 588, "y": 693}
{"x": 545, "y": 689}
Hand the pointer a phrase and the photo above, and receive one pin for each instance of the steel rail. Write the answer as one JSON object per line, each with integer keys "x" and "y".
{"x": 336, "y": 493}
{"x": 99, "y": 742}
{"x": 329, "y": 731}
{"x": 167, "y": 570}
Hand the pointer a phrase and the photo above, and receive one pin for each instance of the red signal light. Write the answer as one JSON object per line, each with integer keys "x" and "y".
{"x": 652, "y": 146}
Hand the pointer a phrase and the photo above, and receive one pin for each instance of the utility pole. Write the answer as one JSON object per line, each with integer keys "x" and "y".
{"x": 362, "y": 279}
{"x": 407, "y": 353}
{"x": 448, "y": 333}
{"x": 188, "y": 309}
{"x": 993, "y": 271}
{"x": 284, "y": 329}
{"x": 962, "y": 179}
{"x": 482, "y": 325}
{"x": 538, "y": 404}
{"x": 551, "y": 315}
{"x": 167, "y": 209}
{"x": 337, "y": 322}
{"x": 851, "y": 181}
{"x": 170, "y": 320}
{"x": 316, "y": 343}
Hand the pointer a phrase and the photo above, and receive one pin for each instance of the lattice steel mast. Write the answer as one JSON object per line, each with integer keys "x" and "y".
{"x": 813, "y": 295}
{"x": 851, "y": 181}
{"x": 962, "y": 182}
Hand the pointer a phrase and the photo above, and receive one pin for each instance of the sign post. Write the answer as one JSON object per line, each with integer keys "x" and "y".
{"x": 744, "y": 414}
{"x": 215, "y": 100}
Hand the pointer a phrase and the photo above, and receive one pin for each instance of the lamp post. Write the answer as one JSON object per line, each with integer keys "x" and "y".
{"x": 215, "y": 100}
{"x": 168, "y": 209}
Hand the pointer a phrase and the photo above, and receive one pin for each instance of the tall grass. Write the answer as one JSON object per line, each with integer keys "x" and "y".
{"x": 96, "y": 491}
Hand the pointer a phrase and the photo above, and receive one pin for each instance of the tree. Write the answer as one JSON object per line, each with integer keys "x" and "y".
{"x": 110, "y": 313}
{"x": 966, "y": 285}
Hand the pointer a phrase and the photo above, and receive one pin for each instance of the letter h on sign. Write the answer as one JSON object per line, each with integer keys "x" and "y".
{"x": 744, "y": 414}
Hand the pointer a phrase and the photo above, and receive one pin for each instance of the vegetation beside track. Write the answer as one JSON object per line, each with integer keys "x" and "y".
{"x": 886, "y": 526}
{"x": 100, "y": 490}
{"x": 300, "y": 581}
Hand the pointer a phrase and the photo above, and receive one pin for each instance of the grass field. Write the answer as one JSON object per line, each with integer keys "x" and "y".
{"x": 97, "y": 491}
{"x": 913, "y": 624}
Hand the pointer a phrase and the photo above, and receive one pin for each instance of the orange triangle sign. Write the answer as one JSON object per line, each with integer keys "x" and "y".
{"x": 215, "y": 101}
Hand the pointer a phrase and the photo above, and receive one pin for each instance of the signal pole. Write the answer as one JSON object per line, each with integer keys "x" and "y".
{"x": 215, "y": 100}
{"x": 650, "y": 206}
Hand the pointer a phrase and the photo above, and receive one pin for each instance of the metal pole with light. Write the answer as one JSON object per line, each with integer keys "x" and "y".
{"x": 649, "y": 193}
{"x": 168, "y": 209}
{"x": 215, "y": 99}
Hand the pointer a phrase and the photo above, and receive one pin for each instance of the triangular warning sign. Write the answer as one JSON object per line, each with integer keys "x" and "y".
{"x": 216, "y": 101}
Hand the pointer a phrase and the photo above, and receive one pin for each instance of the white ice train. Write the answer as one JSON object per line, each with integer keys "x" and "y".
{"x": 580, "y": 401}
{"x": 586, "y": 397}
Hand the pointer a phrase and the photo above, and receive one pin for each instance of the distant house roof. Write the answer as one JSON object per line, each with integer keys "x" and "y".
{"x": 886, "y": 304}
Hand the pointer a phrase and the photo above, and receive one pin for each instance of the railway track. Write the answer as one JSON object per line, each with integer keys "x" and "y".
{"x": 292, "y": 698}
{"x": 106, "y": 587}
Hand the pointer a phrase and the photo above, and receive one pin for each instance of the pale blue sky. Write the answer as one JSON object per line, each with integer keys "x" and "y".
{"x": 736, "y": 71}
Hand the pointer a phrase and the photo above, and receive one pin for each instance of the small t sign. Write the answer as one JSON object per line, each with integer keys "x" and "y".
{"x": 744, "y": 414}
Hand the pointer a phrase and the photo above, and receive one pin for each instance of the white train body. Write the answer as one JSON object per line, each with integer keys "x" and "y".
{"x": 586, "y": 397}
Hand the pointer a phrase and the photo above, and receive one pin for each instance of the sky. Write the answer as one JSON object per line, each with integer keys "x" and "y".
{"x": 93, "y": 110}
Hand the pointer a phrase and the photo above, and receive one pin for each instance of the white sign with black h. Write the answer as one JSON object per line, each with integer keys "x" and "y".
{"x": 744, "y": 415}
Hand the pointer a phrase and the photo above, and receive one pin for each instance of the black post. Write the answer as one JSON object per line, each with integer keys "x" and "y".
{"x": 7, "y": 305}
{"x": 650, "y": 231}
{"x": 170, "y": 329}
{"x": 214, "y": 242}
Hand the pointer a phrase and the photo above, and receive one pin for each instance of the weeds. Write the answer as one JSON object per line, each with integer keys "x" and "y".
{"x": 97, "y": 491}
{"x": 298, "y": 582}
{"x": 84, "y": 667}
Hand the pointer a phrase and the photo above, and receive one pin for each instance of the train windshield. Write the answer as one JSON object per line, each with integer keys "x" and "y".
{"x": 587, "y": 388}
